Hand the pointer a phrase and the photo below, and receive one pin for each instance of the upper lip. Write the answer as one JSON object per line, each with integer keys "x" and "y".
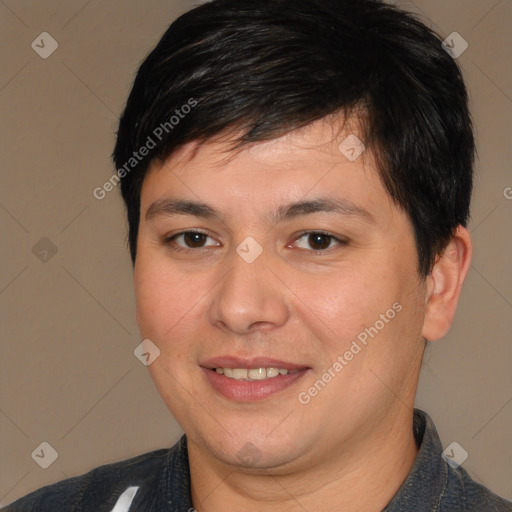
{"x": 252, "y": 362}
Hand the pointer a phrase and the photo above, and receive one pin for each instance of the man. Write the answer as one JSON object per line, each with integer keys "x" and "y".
{"x": 297, "y": 177}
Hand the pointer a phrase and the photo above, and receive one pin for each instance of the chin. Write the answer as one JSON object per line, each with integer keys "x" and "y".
{"x": 251, "y": 448}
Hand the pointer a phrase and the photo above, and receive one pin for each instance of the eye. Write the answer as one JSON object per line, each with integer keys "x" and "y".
{"x": 190, "y": 240}
{"x": 319, "y": 241}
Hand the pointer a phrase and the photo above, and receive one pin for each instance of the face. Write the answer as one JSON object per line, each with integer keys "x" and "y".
{"x": 290, "y": 257}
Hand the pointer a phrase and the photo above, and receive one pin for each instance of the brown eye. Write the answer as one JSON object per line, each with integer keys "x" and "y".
{"x": 193, "y": 239}
{"x": 318, "y": 241}
{"x": 188, "y": 240}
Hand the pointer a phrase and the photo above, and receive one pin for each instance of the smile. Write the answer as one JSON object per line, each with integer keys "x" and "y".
{"x": 252, "y": 373}
{"x": 243, "y": 380}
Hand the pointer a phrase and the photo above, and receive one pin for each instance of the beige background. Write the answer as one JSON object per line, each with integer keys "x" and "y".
{"x": 67, "y": 370}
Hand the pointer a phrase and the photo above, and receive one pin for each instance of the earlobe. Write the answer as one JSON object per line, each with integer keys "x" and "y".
{"x": 444, "y": 285}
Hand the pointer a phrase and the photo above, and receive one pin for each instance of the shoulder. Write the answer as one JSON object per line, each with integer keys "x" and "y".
{"x": 437, "y": 483}
{"x": 457, "y": 491}
{"x": 98, "y": 489}
{"x": 461, "y": 489}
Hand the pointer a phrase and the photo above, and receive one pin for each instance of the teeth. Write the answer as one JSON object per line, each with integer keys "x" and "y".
{"x": 239, "y": 373}
{"x": 272, "y": 372}
{"x": 257, "y": 374}
{"x": 252, "y": 373}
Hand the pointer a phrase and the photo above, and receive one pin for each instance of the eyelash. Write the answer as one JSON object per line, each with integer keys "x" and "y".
{"x": 170, "y": 241}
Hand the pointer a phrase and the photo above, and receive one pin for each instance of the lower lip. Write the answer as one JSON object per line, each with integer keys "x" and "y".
{"x": 247, "y": 390}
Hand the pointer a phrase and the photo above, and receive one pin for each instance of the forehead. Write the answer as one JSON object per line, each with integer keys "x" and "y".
{"x": 311, "y": 161}
{"x": 314, "y": 140}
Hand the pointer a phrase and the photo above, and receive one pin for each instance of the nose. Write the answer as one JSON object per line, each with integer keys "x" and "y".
{"x": 249, "y": 298}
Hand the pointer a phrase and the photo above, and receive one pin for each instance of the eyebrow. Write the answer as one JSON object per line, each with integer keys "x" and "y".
{"x": 171, "y": 207}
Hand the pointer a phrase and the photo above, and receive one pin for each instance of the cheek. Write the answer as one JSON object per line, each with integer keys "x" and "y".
{"x": 163, "y": 298}
{"x": 343, "y": 303}
{"x": 370, "y": 312}
{"x": 168, "y": 314}
{"x": 148, "y": 297}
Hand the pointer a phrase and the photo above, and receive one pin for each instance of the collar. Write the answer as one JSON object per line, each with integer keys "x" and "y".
{"x": 426, "y": 483}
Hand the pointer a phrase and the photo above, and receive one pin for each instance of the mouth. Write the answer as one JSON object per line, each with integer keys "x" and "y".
{"x": 252, "y": 374}
{"x": 247, "y": 380}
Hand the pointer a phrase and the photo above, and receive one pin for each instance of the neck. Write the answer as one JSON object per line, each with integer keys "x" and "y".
{"x": 362, "y": 477}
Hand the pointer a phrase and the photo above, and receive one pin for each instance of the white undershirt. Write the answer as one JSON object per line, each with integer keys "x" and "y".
{"x": 125, "y": 500}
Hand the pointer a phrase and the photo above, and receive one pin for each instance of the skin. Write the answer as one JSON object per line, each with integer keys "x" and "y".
{"x": 351, "y": 447}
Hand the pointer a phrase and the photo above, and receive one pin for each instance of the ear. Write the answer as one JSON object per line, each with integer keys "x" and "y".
{"x": 444, "y": 284}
